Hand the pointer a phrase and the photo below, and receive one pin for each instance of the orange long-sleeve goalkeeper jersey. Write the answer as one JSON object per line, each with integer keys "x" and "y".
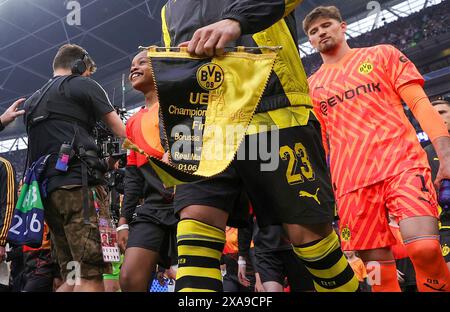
{"x": 365, "y": 130}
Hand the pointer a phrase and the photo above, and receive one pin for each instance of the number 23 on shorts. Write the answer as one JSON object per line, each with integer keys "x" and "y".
{"x": 299, "y": 167}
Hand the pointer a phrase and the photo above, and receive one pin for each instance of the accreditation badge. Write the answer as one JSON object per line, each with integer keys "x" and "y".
{"x": 107, "y": 229}
{"x": 108, "y": 238}
{"x": 206, "y": 105}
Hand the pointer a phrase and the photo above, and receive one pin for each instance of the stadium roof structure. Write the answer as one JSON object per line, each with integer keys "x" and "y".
{"x": 31, "y": 31}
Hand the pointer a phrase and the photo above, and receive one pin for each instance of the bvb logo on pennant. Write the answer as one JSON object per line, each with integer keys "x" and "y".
{"x": 445, "y": 250}
{"x": 365, "y": 68}
{"x": 345, "y": 234}
{"x": 210, "y": 76}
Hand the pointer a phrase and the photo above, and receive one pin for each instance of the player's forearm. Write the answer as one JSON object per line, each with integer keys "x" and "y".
{"x": 256, "y": 15}
{"x": 442, "y": 147}
{"x": 428, "y": 118}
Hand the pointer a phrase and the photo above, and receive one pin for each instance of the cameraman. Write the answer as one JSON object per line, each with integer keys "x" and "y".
{"x": 60, "y": 119}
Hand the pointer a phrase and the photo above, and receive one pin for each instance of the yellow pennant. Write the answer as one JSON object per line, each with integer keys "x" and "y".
{"x": 206, "y": 105}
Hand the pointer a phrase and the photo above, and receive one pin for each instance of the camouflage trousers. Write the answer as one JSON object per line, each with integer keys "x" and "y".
{"x": 77, "y": 244}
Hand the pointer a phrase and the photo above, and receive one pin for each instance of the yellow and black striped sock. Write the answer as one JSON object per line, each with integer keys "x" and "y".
{"x": 327, "y": 264}
{"x": 200, "y": 247}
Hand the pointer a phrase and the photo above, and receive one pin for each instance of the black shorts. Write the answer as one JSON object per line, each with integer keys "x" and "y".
{"x": 275, "y": 266}
{"x": 39, "y": 272}
{"x": 156, "y": 233}
{"x": 445, "y": 243}
{"x": 298, "y": 191}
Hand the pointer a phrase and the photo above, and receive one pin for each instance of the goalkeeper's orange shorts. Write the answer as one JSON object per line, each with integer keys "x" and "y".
{"x": 364, "y": 213}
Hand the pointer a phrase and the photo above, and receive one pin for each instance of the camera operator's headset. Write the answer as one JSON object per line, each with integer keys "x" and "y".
{"x": 79, "y": 66}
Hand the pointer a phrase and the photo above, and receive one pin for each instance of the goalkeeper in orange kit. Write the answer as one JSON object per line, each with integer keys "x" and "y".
{"x": 377, "y": 164}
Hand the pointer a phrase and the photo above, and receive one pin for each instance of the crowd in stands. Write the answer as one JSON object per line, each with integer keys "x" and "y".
{"x": 404, "y": 33}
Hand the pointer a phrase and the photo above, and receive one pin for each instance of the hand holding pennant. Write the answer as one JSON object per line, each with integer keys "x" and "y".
{"x": 206, "y": 105}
